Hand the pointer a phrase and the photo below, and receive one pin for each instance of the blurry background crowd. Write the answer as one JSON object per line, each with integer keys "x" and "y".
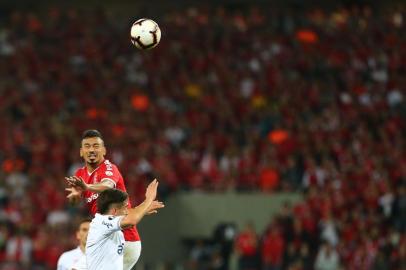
{"x": 243, "y": 99}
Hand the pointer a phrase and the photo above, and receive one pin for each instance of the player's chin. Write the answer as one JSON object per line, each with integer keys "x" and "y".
{"x": 92, "y": 161}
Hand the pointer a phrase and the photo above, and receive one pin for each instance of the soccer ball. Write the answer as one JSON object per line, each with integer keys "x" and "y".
{"x": 145, "y": 34}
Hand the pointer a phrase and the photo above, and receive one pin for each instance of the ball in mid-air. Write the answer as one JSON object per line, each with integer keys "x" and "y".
{"x": 145, "y": 34}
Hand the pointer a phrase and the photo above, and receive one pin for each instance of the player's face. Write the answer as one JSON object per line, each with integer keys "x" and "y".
{"x": 81, "y": 234}
{"x": 92, "y": 150}
{"x": 122, "y": 210}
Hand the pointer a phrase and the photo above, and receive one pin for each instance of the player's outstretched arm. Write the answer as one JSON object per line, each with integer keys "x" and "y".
{"x": 78, "y": 182}
{"x": 149, "y": 206}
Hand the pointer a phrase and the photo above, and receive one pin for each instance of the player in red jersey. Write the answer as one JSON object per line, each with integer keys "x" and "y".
{"x": 97, "y": 175}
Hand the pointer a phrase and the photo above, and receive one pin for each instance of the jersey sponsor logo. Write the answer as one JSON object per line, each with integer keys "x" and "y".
{"x": 93, "y": 197}
{"x": 94, "y": 177}
{"x": 120, "y": 249}
{"x": 108, "y": 164}
{"x": 109, "y": 173}
{"x": 109, "y": 225}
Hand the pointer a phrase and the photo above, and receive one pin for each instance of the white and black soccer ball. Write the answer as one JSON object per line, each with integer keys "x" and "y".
{"x": 145, "y": 34}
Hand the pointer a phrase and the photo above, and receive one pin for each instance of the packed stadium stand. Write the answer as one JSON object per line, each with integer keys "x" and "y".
{"x": 249, "y": 100}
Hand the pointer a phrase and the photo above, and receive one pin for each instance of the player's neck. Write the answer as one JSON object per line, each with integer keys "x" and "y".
{"x": 111, "y": 212}
{"x": 92, "y": 167}
{"x": 82, "y": 248}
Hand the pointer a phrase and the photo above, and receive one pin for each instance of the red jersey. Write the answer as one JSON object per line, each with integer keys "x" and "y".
{"x": 105, "y": 171}
{"x": 247, "y": 243}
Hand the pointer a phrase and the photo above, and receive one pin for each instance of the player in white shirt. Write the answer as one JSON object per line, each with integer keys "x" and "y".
{"x": 105, "y": 242}
{"x": 69, "y": 258}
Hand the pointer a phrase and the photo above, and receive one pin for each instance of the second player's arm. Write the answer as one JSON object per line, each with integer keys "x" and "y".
{"x": 149, "y": 205}
{"x": 135, "y": 215}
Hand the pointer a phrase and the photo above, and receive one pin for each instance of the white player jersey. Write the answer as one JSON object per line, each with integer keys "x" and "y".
{"x": 80, "y": 264}
{"x": 69, "y": 258}
{"x": 105, "y": 243}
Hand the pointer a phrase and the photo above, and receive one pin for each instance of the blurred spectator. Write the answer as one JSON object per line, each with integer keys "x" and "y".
{"x": 224, "y": 236}
{"x": 291, "y": 175}
{"x": 328, "y": 230}
{"x": 17, "y": 182}
{"x": 305, "y": 257}
{"x": 399, "y": 209}
{"x": 19, "y": 249}
{"x": 4, "y": 235}
{"x": 327, "y": 258}
{"x": 273, "y": 247}
{"x": 246, "y": 247}
{"x": 269, "y": 176}
{"x": 381, "y": 262}
{"x": 199, "y": 254}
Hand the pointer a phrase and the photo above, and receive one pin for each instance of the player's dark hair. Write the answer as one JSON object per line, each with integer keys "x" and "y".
{"x": 91, "y": 133}
{"x": 84, "y": 220}
{"x": 109, "y": 197}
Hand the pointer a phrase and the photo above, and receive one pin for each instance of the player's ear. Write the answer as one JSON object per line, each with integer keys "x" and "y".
{"x": 77, "y": 236}
{"x": 104, "y": 150}
{"x": 81, "y": 152}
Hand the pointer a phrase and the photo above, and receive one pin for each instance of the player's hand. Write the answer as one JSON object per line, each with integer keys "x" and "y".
{"x": 74, "y": 194}
{"x": 153, "y": 208}
{"x": 150, "y": 194}
{"x": 76, "y": 182}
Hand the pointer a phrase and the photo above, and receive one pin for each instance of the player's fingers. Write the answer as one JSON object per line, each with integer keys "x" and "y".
{"x": 68, "y": 179}
{"x": 76, "y": 180}
{"x": 159, "y": 204}
{"x": 151, "y": 185}
{"x": 72, "y": 184}
{"x": 155, "y": 184}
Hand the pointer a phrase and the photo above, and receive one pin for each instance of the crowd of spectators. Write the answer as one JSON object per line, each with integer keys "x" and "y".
{"x": 253, "y": 100}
